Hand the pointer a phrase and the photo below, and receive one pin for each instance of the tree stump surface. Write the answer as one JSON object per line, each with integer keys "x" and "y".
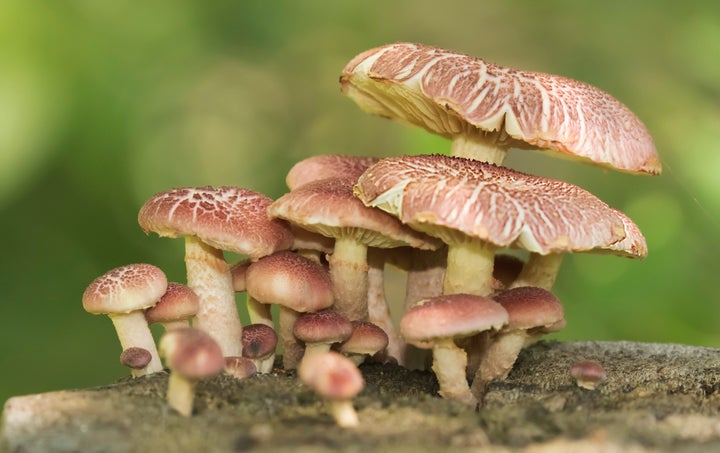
{"x": 657, "y": 397}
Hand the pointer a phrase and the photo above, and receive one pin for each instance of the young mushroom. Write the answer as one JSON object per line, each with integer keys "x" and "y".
{"x": 485, "y": 109}
{"x": 588, "y": 374}
{"x": 135, "y": 358}
{"x": 258, "y": 345}
{"x": 438, "y": 322}
{"x": 175, "y": 307}
{"x": 335, "y": 378}
{"x": 240, "y": 367}
{"x": 297, "y": 285}
{"x": 123, "y": 294}
{"x": 320, "y": 330}
{"x": 212, "y": 220}
{"x": 366, "y": 340}
{"x": 191, "y": 355}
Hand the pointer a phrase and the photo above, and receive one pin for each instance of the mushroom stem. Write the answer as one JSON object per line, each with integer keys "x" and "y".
{"x": 292, "y": 348}
{"x": 499, "y": 357}
{"x": 133, "y": 331}
{"x": 469, "y": 268}
{"x": 478, "y": 147}
{"x": 449, "y": 362}
{"x": 378, "y": 310}
{"x": 349, "y": 275}
{"x": 539, "y": 271}
{"x": 258, "y": 312}
{"x": 344, "y": 413}
{"x": 169, "y": 325}
{"x": 181, "y": 394}
{"x": 315, "y": 348}
{"x": 425, "y": 275}
{"x": 208, "y": 274}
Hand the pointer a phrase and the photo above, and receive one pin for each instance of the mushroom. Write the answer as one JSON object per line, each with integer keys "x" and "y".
{"x": 367, "y": 339}
{"x": 240, "y": 367}
{"x": 237, "y": 272}
{"x": 335, "y": 378}
{"x": 123, "y": 294}
{"x": 532, "y": 312}
{"x": 135, "y": 358}
{"x": 212, "y": 220}
{"x": 297, "y": 285}
{"x": 588, "y": 374}
{"x": 191, "y": 355}
{"x": 175, "y": 307}
{"x": 485, "y": 109}
{"x": 328, "y": 207}
{"x": 438, "y": 322}
{"x": 258, "y": 345}
{"x": 476, "y": 207}
{"x": 320, "y": 330}
{"x": 327, "y": 166}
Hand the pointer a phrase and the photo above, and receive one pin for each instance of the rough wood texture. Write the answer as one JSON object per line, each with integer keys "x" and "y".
{"x": 657, "y": 398}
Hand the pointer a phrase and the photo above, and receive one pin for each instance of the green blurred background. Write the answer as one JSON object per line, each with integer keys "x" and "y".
{"x": 103, "y": 104}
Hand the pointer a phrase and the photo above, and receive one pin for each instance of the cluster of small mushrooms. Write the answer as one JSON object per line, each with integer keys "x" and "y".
{"x": 319, "y": 251}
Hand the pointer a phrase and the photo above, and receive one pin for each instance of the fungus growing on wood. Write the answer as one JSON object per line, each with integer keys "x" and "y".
{"x": 175, "y": 307}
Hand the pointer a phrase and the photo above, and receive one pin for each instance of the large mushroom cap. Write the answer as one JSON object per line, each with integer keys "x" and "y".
{"x": 328, "y": 207}
{"x": 125, "y": 289}
{"x": 451, "y": 94}
{"x": 451, "y": 316}
{"x": 444, "y": 196}
{"x": 227, "y": 218}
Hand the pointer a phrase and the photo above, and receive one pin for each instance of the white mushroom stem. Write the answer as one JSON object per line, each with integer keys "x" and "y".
{"x": 378, "y": 310}
{"x": 539, "y": 271}
{"x": 258, "y": 312}
{"x": 449, "y": 362}
{"x": 133, "y": 331}
{"x": 169, "y": 325}
{"x": 425, "y": 276}
{"x": 292, "y": 348}
{"x": 208, "y": 274}
{"x": 478, "y": 146}
{"x": 181, "y": 393}
{"x": 314, "y": 348}
{"x": 499, "y": 357}
{"x": 349, "y": 275}
{"x": 469, "y": 268}
{"x": 344, "y": 413}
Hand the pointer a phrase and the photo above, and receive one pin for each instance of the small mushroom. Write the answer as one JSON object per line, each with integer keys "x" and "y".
{"x": 191, "y": 355}
{"x": 335, "y": 378}
{"x": 320, "y": 330}
{"x": 123, "y": 294}
{"x": 175, "y": 307}
{"x": 259, "y": 342}
{"x": 240, "y": 367}
{"x": 366, "y": 340}
{"x": 588, "y": 374}
{"x": 438, "y": 322}
{"x": 135, "y": 358}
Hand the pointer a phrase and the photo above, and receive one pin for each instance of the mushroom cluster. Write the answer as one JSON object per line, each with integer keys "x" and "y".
{"x": 319, "y": 251}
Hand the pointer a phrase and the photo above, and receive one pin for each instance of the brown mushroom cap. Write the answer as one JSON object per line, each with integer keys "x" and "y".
{"x": 451, "y": 316}
{"x": 530, "y": 307}
{"x": 240, "y": 367}
{"x": 326, "y": 326}
{"x": 328, "y": 207}
{"x": 191, "y": 353}
{"x": 258, "y": 340}
{"x": 290, "y": 280}
{"x": 227, "y": 218}
{"x": 125, "y": 289}
{"x": 178, "y": 303}
{"x": 135, "y": 358}
{"x": 451, "y": 94}
{"x": 367, "y": 338}
{"x": 588, "y": 374}
{"x": 331, "y": 375}
{"x": 327, "y": 166}
{"x": 444, "y": 196}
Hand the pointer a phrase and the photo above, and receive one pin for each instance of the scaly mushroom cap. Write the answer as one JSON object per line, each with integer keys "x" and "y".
{"x": 258, "y": 340}
{"x": 135, "y": 358}
{"x": 451, "y": 316}
{"x": 179, "y": 302}
{"x": 451, "y": 94}
{"x": 227, "y": 218}
{"x": 452, "y": 197}
{"x": 326, "y": 326}
{"x": 366, "y": 338}
{"x": 327, "y": 166}
{"x": 328, "y": 207}
{"x": 529, "y": 307}
{"x": 125, "y": 289}
{"x": 290, "y": 280}
{"x": 191, "y": 353}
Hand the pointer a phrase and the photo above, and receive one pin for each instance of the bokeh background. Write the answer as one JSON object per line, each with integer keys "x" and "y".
{"x": 104, "y": 103}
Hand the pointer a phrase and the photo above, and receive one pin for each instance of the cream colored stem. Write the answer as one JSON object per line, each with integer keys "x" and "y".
{"x": 258, "y": 312}
{"x": 498, "y": 360}
{"x": 133, "y": 331}
{"x": 540, "y": 271}
{"x": 469, "y": 268}
{"x": 378, "y": 310}
{"x": 208, "y": 274}
{"x": 425, "y": 276}
{"x": 170, "y": 325}
{"x": 292, "y": 348}
{"x": 449, "y": 364}
{"x": 181, "y": 394}
{"x": 478, "y": 147}
{"x": 344, "y": 413}
{"x": 349, "y": 274}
